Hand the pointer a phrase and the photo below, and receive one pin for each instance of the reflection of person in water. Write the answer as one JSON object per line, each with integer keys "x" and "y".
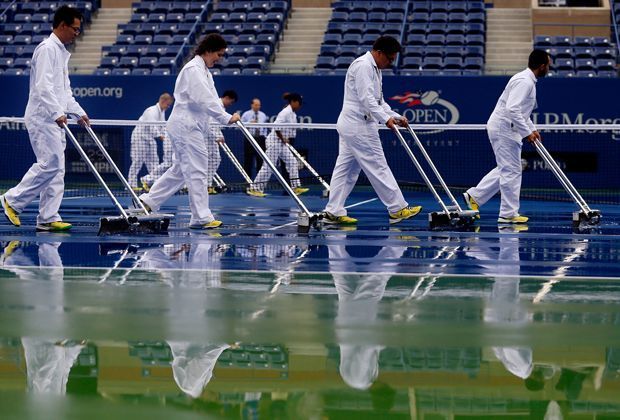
{"x": 192, "y": 365}
{"x": 48, "y": 361}
{"x": 358, "y": 299}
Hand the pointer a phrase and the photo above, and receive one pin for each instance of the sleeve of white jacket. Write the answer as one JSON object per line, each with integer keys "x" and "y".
{"x": 389, "y": 110}
{"x": 514, "y": 105}
{"x": 531, "y": 125}
{"x": 209, "y": 102}
{"x": 72, "y": 105}
{"x": 44, "y": 84}
{"x": 366, "y": 95}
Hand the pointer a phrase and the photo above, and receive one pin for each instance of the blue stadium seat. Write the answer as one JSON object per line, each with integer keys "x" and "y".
{"x": 139, "y": 17}
{"x": 456, "y": 28}
{"x": 343, "y": 62}
{"x": 434, "y": 51}
{"x": 135, "y": 50}
{"x": 475, "y": 29}
{"x": 251, "y": 71}
{"x": 457, "y": 18}
{"x": 174, "y": 17}
{"x": 454, "y": 51}
{"x": 415, "y": 39}
{"x": 606, "y": 73}
{"x": 418, "y": 18}
{"x": 455, "y": 39}
{"x": 432, "y": 63}
{"x": 562, "y": 41}
{"x": 109, "y": 62}
{"x": 394, "y": 17}
{"x": 582, "y": 41}
{"x": 562, "y": 52}
{"x": 475, "y": 7}
{"x": 12, "y": 28}
{"x": 167, "y": 62}
{"x": 580, "y": 52}
{"x": 368, "y": 39}
{"x": 412, "y": 62}
{"x": 37, "y": 39}
{"x": 256, "y": 17}
{"x": 332, "y": 39}
{"x": 40, "y": 18}
{"x": 604, "y": 52}
{"x": 439, "y": 6}
{"x": 231, "y": 71}
{"x": 476, "y": 17}
{"x": 246, "y": 39}
{"x": 586, "y": 73}
{"x": 22, "y": 39}
{"x": 358, "y": 17}
{"x": 130, "y": 62}
{"x": 376, "y": 17}
{"x": 438, "y": 17}
{"x": 474, "y": 40}
{"x": 141, "y": 72}
{"x": 179, "y": 39}
{"x": 102, "y": 72}
{"x": 238, "y": 62}
{"x": 565, "y": 73}
{"x": 564, "y": 64}
{"x": 601, "y": 41}
{"x": 457, "y": 7}
{"x": 260, "y": 50}
{"x": 329, "y": 50}
{"x": 15, "y": 71}
{"x": 349, "y": 51}
{"x": 453, "y": 63}
{"x": 124, "y": 39}
{"x": 237, "y": 17}
{"x": 473, "y": 63}
{"x": 143, "y": 39}
{"x": 436, "y": 28}
{"x": 6, "y": 39}
{"x": 121, "y": 72}
{"x": 605, "y": 64}
{"x": 22, "y": 62}
{"x": 160, "y": 72}
{"x": 410, "y": 51}
{"x": 219, "y": 17}
{"x": 256, "y": 63}
{"x": 543, "y": 41}
{"x": 147, "y": 62}
{"x": 274, "y": 17}
{"x": 351, "y": 39}
{"x": 339, "y": 17}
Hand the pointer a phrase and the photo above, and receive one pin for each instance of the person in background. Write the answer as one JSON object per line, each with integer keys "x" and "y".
{"x": 251, "y": 159}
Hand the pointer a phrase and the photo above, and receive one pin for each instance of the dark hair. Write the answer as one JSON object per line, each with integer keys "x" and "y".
{"x": 210, "y": 43}
{"x": 230, "y": 94}
{"x": 387, "y": 44}
{"x": 537, "y": 58}
{"x": 290, "y": 97}
{"x": 67, "y": 15}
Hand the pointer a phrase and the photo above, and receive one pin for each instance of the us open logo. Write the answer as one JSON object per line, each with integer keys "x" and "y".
{"x": 427, "y": 108}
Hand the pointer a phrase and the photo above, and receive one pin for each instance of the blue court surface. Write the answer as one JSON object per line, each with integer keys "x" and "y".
{"x": 257, "y": 321}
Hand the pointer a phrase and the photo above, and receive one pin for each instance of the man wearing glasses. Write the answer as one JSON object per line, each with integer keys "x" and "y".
{"x": 359, "y": 145}
{"x": 50, "y": 99}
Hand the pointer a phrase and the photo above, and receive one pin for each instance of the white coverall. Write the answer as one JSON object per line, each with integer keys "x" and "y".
{"x": 278, "y": 150}
{"x": 188, "y": 126}
{"x": 509, "y": 123}
{"x": 358, "y": 300}
{"x": 359, "y": 145}
{"x": 50, "y": 98}
{"x": 143, "y": 143}
{"x": 193, "y": 364}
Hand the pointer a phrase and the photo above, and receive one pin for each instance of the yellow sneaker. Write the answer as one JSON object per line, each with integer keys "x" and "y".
{"x": 145, "y": 186}
{"x": 255, "y": 193}
{"x": 137, "y": 189}
{"x": 472, "y": 204}
{"x": 338, "y": 220}
{"x": 211, "y": 191}
{"x": 300, "y": 190}
{"x": 404, "y": 214}
{"x": 53, "y": 227}
{"x": 513, "y": 219}
{"x": 211, "y": 225}
{"x": 9, "y": 212}
{"x": 9, "y": 249}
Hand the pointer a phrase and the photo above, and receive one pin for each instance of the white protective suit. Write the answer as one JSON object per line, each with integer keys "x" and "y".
{"x": 50, "y": 98}
{"x": 509, "y": 123}
{"x": 278, "y": 150}
{"x": 193, "y": 364}
{"x": 143, "y": 143}
{"x": 188, "y": 126}
{"x": 359, "y": 145}
{"x": 358, "y": 298}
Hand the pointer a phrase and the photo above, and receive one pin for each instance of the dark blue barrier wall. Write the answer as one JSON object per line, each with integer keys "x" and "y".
{"x": 463, "y": 156}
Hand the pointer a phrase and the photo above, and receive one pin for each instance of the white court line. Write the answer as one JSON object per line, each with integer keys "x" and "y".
{"x": 347, "y": 207}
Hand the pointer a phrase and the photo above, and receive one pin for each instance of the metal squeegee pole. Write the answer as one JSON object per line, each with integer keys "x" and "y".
{"x": 421, "y": 170}
{"x": 434, "y": 168}
{"x": 307, "y": 165}
{"x": 235, "y": 162}
{"x": 94, "y": 171}
{"x": 115, "y": 168}
{"x": 273, "y": 168}
{"x": 219, "y": 181}
{"x": 561, "y": 176}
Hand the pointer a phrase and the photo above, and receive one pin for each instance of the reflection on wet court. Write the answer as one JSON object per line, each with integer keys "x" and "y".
{"x": 255, "y": 321}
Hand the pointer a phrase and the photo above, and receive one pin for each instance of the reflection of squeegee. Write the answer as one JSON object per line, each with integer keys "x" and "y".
{"x": 560, "y": 272}
{"x": 446, "y": 253}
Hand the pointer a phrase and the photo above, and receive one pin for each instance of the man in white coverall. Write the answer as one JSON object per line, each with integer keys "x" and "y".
{"x": 508, "y": 125}
{"x": 143, "y": 146}
{"x": 360, "y": 146}
{"x": 50, "y": 98}
{"x": 188, "y": 127}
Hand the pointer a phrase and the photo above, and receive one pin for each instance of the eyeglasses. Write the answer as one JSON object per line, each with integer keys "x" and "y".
{"x": 390, "y": 58}
{"x": 76, "y": 29}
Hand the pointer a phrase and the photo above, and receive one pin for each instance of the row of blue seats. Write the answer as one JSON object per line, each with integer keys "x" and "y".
{"x": 134, "y": 72}
{"x": 407, "y": 72}
{"x": 155, "y": 28}
{"x": 438, "y": 39}
{"x": 6, "y": 62}
{"x": 567, "y": 41}
{"x": 22, "y": 39}
{"x": 168, "y": 6}
{"x": 252, "y": 62}
{"x": 439, "y": 63}
{"x": 367, "y": 17}
{"x": 444, "y": 51}
{"x": 34, "y": 18}
{"x": 242, "y": 28}
{"x": 472, "y": 17}
{"x": 446, "y": 29}
{"x": 241, "y": 17}
{"x": 248, "y": 39}
{"x": 30, "y": 8}
{"x": 165, "y": 17}
{"x": 252, "y": 6}
{"x": 581, "y": 52}
{"x": 364, "y": 28}
{"x": 148, "y": 39}
{"x": 17, "y": 51}
{"x": 584, "y": 64}
{"x": 140, "y": 50}
{"x": 25, "y": 28}
{"x": 369, "y": 6}
{"x": 446, "y": 6}
{"x": 583, "y": 73}
{"x": 132, "y": 62}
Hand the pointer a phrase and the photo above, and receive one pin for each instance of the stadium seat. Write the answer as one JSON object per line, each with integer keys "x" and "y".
{"x": 343, "y": 62}
{"x": 605, "y": 64}
{"x": 562, "y": 52}
{"x": 604, "y": 52}
{"x": 601, "y": 41}
{"x": 432, "y": 63}
{"x": 102, "y": 72}
{"x": 543, "y": 41}
{"x": 415, "y": 39}
{"x": 562, "y": 41}
{"x": 121, "y": 72}
{"x": 606, "y": 73}
{"x": 473, "y": 63}
{"x": 141, "y": 72}
{"x": 586, "y": 73}
{"x": 584, "y": 64}
{"x": 15, "y": 71}
{"x": 160, "y": 72}
{"x": 564, "y": 64}
{"x": 582, "y": 41}
{"x": 109, "y": 62}
{"x": 454, "y": 51}
{"x": 434, "y": 51}
{"x": 412, "y": 63}
{"x": 231, "y": 71}
{"x": 580, "y": 52}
